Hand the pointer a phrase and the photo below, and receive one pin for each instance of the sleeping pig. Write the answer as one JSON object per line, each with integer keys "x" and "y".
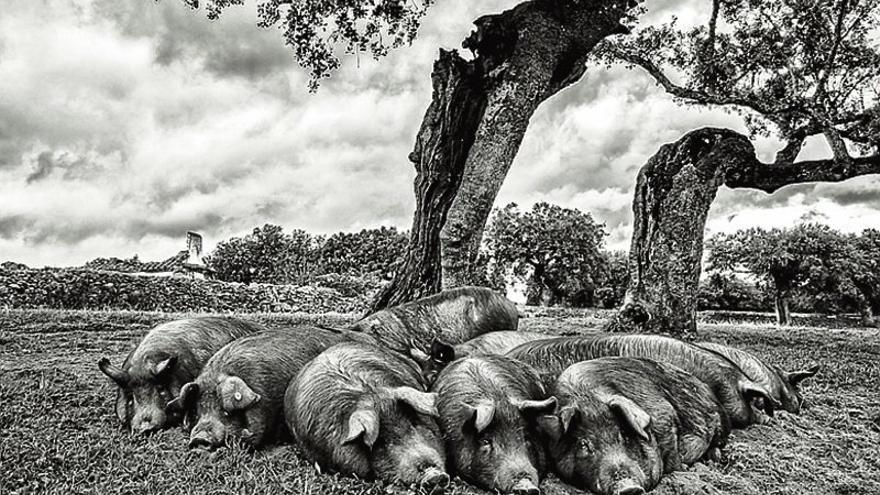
{"x": 783, "y": 385}
{"x": 488, "y": 408}
{"x": 170, "y": 355}
{"x": 453, "y": 316}
{"x": 734, "y": 390}
{"x": 239, "y": 393}
{"x": 360, "y": 409}
{"x": 622, "y": 422}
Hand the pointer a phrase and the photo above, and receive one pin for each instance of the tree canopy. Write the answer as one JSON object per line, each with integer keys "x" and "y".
{"x": 794, "y": 68}
{"x": 316, "y": 30}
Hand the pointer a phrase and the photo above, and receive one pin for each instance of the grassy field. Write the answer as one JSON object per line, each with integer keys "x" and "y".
{"x": 58, "y": 432}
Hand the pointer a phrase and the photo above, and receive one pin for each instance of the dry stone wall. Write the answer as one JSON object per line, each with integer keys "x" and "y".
{"x": 91, "y": 289}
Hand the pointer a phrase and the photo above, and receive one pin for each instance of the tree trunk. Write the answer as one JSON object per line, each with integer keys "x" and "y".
{"x": 674, "y": 191}
{"x": 783, "y": 311}
{"x": 442, "y": 145}
{"x": 866, "y": 312}
{"x": 523, "y": 56}
{"x": 535, "y": 287}
{"x": 534, "y": 51}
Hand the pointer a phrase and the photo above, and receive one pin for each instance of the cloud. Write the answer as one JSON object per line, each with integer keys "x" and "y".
{"x": 124, "y": 124}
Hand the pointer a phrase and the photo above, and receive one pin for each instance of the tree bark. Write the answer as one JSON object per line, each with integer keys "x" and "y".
{"x": 473, "y": 128}
{"x": 442, "y": 145}
{"x": 674, "y": 191}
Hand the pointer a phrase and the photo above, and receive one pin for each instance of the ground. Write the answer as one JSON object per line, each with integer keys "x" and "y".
{"x": 58, "y": 432}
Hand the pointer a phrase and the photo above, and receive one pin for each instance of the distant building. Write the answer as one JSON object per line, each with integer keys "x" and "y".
{"x": 186, "y": 263}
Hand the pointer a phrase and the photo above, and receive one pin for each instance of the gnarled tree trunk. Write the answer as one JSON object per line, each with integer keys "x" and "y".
{"x": 674, "y": 191}
{"x": 673, "y": 194}
{"x": 535, "y": 50}
{"x": 442, "y": 145}
{"x": 523, "y": 56}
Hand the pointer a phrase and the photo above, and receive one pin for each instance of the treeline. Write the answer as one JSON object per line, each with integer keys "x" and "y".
{"x": 558, "y": 256}
{"x": 270, "y": 255}
{"x": 809, "y": 267}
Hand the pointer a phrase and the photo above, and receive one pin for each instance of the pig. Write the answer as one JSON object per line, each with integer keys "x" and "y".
{"x": 488, "y": 408}
{"x": 240, "y": 392}
{"x": 622, "y": 422}
{"x": 453, "y": 316}
{"x": 783, "y": 385}
{"x": 735, "y": 391}
{"x": 170, "y": 355}
{"x": 359, "y": 409}
{"x": 443, "y": 353}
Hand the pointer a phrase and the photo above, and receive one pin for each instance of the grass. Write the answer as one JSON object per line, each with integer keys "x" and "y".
{"x": 58, "y": 432}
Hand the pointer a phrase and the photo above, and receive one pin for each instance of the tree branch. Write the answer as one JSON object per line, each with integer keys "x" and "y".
{"x": 753, "y": 174}
{"x": 693, "y": 95}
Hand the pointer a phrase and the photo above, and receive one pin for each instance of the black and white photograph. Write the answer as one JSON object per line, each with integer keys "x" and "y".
{"x": 464, "y": 247}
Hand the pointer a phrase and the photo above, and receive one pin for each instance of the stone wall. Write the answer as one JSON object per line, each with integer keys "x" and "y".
{"x": 91, "y": 289}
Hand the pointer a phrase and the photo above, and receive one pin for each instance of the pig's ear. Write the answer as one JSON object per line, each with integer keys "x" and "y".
{"x": 419, "y": 356}
{"x": 796, "y": 377}
{"x": 117, "y": 374}
{"x": 442, "y": 352}
{"x": 186, "y": 399}
{"x": 536, "y": 407}
{"x": 236, "y": 395}
{"x": 752, "y": 392}
{"x": 363, "y": 424}
{"x": 161, "y": 369}
{"x": 480, "y": 415}
{"x": 567, "y": 415}
{"x": 635, "y": 416}
{"x": 422, "y": 402}
{"x": 550, "y": 425}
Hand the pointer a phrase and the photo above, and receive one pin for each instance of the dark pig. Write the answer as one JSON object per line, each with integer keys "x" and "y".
{"x": 359, "y": 409}
{"x": 623, "y": 421}
{"x": 170, "y": 355}
{"x": 453, "y": 316}
{"x": 488, "y": 408}
{"x": 240, "y": 391}
{"x": 783, "y": 385}
{"x": 443, "y": 353}
{"x": 734, "y": 390}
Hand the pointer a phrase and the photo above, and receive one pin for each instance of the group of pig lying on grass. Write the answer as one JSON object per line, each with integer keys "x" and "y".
{"x": 446, "y": 384}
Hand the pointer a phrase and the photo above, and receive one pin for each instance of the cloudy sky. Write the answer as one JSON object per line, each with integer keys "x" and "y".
{"x": 124, "y": 123}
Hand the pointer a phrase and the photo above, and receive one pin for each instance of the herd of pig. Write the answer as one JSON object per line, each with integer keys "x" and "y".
{"x": 447, "y": 385}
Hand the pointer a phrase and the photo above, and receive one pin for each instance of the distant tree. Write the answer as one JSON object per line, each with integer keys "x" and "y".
{"x": 786, "y": 259}
{"x": 613, "y": 280}
{"x": 866, "y": 274}
{"x": 550, "y": 248}
{"x": 266, "y": 255}
{"x": 370, "y": 251}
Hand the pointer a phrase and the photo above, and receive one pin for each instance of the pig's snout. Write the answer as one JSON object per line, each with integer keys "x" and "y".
{"x": 627, "y": 487}
{"x": 434, "y": 478}
{"x": 205, "y": 437}
{"x": 524, "y": 486}
{"x": 147, "y": 423}
{"x": 200, "y": 443}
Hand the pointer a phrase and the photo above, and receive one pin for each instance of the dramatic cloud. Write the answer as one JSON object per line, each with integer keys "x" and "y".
{"x": 124, "y": 124}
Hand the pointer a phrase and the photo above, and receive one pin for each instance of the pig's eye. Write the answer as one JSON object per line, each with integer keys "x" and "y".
{"x": 486, "y": 443}
{"x": 584, "y": 445}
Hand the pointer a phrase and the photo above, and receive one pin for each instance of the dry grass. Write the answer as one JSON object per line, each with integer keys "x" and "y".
{"x": 58, "y": 432}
